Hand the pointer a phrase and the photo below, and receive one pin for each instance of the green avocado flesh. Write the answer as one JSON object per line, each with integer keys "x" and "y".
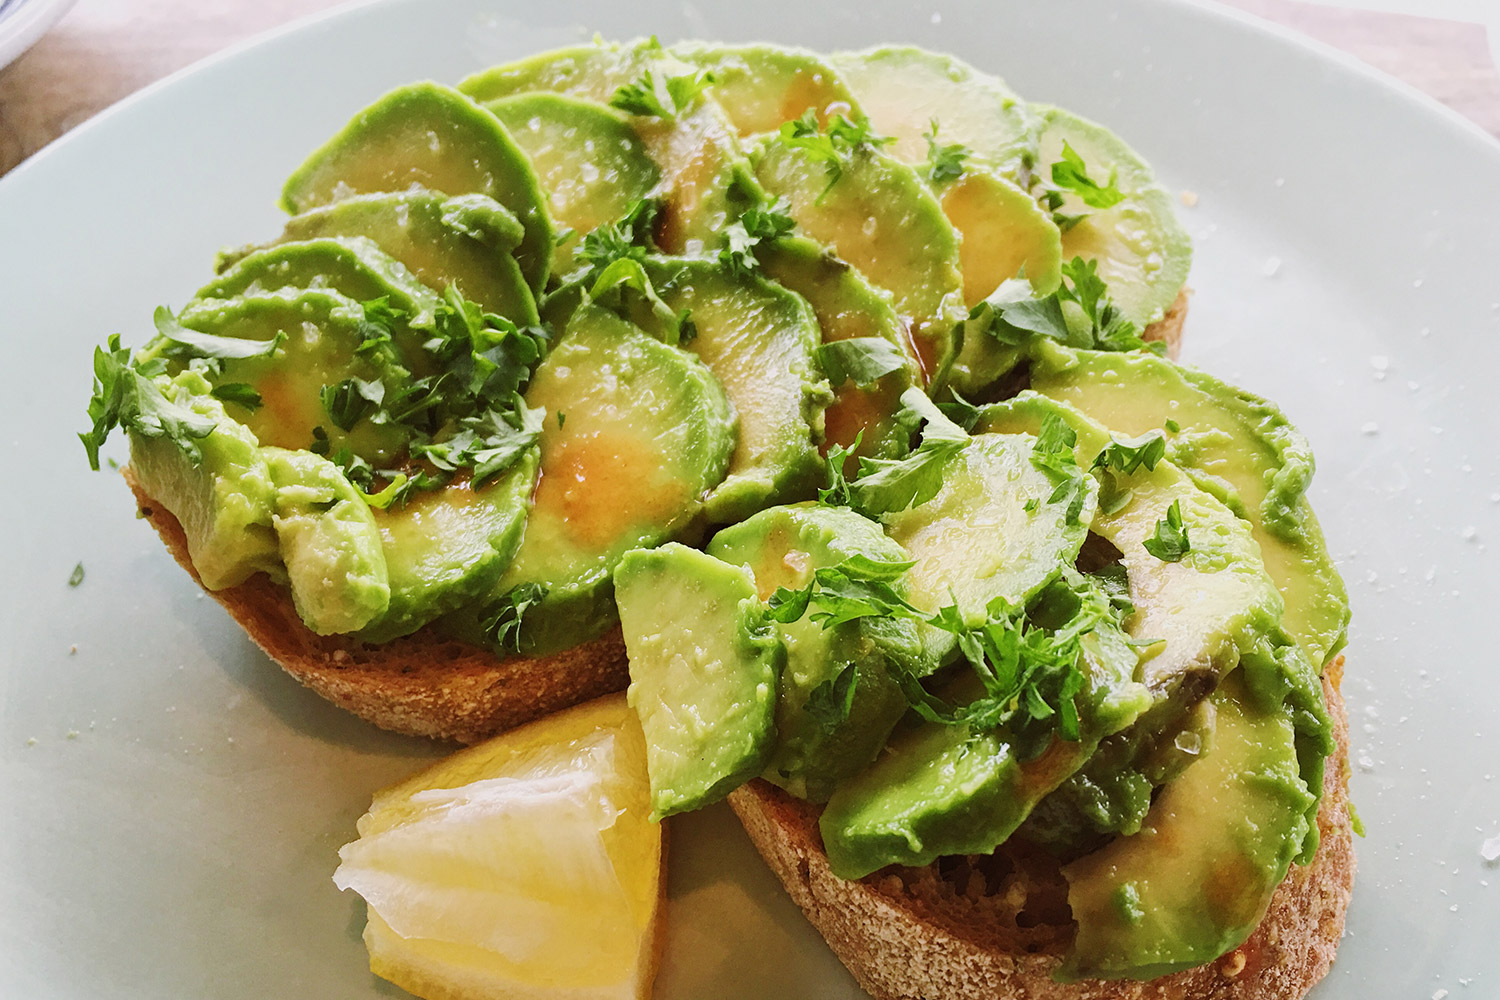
{"x": 321, "y": 331}
{"x": 464, "y": 241}
{"x": 1197, "y": 878}
{"x": 703, "y": 671}
{"x": 429, "y": 136}
{"x": 329, "y": 543}
{"x": 758, "y": 340}
{"x": 1141, "y": 249}
{"x": 636, "y": 433}
{"x": 225, "y": 502}
{"x": 760, "y": 87}
{"x": 880, "y": 217}
{"x": 782, "y": 547}
{"x": 847, "y": 307}
{"x": 905, "y": 89}
{"x": 1237, "y": 446}
{"x": 593, "y": 72}
{"x": 588, "y": 158}
{"x": 446, "y": 547}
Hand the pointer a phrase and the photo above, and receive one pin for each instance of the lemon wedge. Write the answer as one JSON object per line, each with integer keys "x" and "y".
{"x": 524, "y": 867}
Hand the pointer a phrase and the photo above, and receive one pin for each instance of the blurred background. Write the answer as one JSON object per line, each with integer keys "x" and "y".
{"x": 99, "y": 51}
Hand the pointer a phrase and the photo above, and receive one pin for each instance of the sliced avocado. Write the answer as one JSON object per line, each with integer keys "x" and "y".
{"x": 1005, "y": 235}
{"x": 1239, "y": 447}
{"x": 758, "y": 340}
{"x": 817, "y": 747}
{"x": 593, "y": 72}
{"x": 464, "y": 240}
{"x": 760, "y": 87}
{"x": 588, "y": 158}
{"x": 882, "y": 218}
{"x": 848, "y": 307}
{"x": 329, "y": 543}
{"x": 1141, "y": 250}
{"x": 448, "y": 546}
{"x": 1198, "y": 877}
{"x": 225, "y": 502}
{"x": 703, "y": 669}
{"x": 636, "y": 434}
{"x": 904, "y": 89}
{"x": 355, "y": 267}
{"x": 321, "y": 330}
{"x": 1201, "y": 611}
{"x": 429, "y": 136}
{"x": 975, "y": 541}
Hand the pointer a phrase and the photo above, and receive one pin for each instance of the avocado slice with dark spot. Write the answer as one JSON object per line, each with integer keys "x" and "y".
{"x": 429, "y": 136}
{"x": 703, "y": 670}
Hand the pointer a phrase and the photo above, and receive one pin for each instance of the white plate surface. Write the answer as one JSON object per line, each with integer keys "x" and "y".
{"x": 173, "y": 802}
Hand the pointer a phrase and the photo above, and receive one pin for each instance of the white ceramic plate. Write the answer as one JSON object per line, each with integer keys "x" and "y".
{"x": 171, "y": 830}
{"x": 22, "y": 22}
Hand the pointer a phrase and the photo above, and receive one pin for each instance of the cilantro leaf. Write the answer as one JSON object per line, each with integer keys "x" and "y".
{"x": 944, "y": 162}
{"x": 1170, "y": 542}
{"x": 192, "y": 344}
{"x": 1070, "y": 174}
{"x": 503, "y": 624}
{"x": 1125, "y": 454}
{"x": 832, "y": 146}
{"x": 864, "y": 360}
{"x": 654, "y": 96}
{"x": 240, "y": 393}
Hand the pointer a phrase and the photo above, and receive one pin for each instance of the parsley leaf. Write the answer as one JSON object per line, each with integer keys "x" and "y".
{"x": 654, "y": 96}
{"x": 830, "y": 702}
{"x": 1071, "y": 174}
{"x": 944, "y": 162}
{"x": 836, "y": 494}
{"x": 760, "y": 223}
{"x": 350, "y": 401}
{"x": 240, "y": 393}
{"x": 76, "y": 577}
{"x": 627, "y": 237}
{"x": 858, "y": 587}
{"x": 959, "y": 410}
{"x": 192, "y": 344}
{"x": 628, "y": 275}
{"x": 833, "y": 146}
{"x": 1053, "y": 455}
{"x": 1079, "y": 313}
{"x": 864, "y": 360}
{"x": 885, "y": 486}
{"x": 489, "y": 443}
{"x": 129, "y": 397}
{"x": 503, "y": 624}
{"x": 1170, "y": 542}
{"x": 1125, "y": 455}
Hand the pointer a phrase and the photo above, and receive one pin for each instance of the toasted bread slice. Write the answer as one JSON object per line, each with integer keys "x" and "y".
{"x": 422, "y": 684}
{"x": 1168, "y": 329}
{"x": 985, "y": 928}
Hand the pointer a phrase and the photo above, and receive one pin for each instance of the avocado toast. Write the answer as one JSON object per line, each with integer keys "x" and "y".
{"x": 667, "y": 337}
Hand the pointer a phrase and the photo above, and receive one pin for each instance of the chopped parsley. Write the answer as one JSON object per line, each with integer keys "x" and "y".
{"x": 664, "y": 97}
{"x": 629, "y": 236}
{"x": 1126, "y": 455}
{"x": 503, "y": 624}
{"x": 1070, "y": 176}
{"x": 830, "y": 702}
{"x": 944, "y": 162}
{"x": 885, "y": 485}
{"x": 239, "y": 393}
{"x": 1170, "y": 542}
{"x": 1079, "y": 313}
{"x": 832, "y": 146}
{"x": 130, "y": 397}
{"x": 760, "y": 223}
{"x": 76, "y": 577}
{"x": 1053, "y": 455}
{"x": 862, "y": 360}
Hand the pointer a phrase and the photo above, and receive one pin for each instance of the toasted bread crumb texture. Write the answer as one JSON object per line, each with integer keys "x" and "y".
{"x": 422, "y": 684}
{"x": 990, "y": 928}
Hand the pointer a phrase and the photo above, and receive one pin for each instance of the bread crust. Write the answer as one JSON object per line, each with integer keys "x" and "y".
{"x": 423, "y": 684}
{"x": 897, "y": 953}
{"x": 1168, "y": 329}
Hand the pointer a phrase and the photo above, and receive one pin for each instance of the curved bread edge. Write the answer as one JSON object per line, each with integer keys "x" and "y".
{"x": 897, "y": 954}
{"x": 422, "y": 684}
{"x": 1168, "y": 329}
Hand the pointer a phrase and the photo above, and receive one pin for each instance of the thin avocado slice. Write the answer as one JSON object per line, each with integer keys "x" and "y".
{"x": 848, "y": 307}
{"x": 636, "y": 433}
{"x": 975, "y": 541}
{"x": 904, "y": 89}
{"x": 465, "y": 241}
{"x": 1239, "y": 447}
{"x": 593, "y": 72}
{"x": 817, "y": 746}
{"x": 758, "y": 340}
{"x": 320, "y": 332}
{"x": 429, "y": 136}
{"x": 589, "y": 160}
{"x": 448, "y": 546}
{"x": 1006, "y": 234}
{"x": 760, "y": 87}
{"x": 881, "y": 217}
{"x": 1197, "y": 878}
{"x": 225, "y": 501}
{"x": 703, "y": 671}
{"x": 329, "y": 543}
{"x": 1140, "y": 247}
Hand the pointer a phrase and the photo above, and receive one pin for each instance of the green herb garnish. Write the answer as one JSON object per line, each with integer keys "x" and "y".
{"x": 1170, "y": 542}
{"x": 944, "y": 162}
{"x": 654, "y": 96}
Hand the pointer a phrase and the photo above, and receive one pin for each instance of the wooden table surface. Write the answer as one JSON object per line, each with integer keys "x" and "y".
{"x": 103, "y": 50}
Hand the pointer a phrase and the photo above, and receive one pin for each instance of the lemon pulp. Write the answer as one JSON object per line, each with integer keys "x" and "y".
{"x": 525, "y": 866}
